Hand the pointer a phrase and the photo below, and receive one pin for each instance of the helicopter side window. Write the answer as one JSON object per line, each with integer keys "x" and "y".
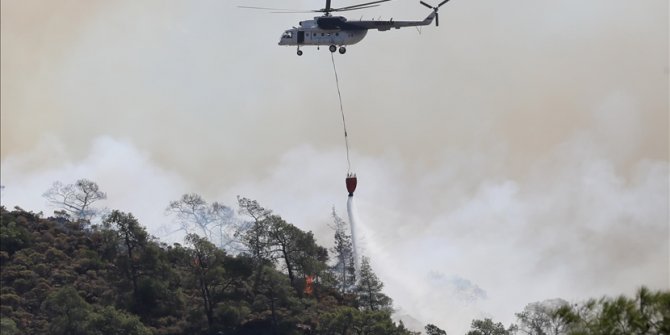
{"x": 287, "y": 34}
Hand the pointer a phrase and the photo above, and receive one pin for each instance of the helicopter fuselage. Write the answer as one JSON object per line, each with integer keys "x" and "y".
{"x": 335, "y": 31}
{"x": 312, "y": 33}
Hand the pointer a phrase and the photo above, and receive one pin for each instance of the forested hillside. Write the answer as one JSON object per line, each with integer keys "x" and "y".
{"x": 67, "y": 276}
{"x": 63, "y": 276}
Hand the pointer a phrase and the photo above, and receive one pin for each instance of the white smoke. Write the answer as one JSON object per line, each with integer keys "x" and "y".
{"x": 449, "y": 247}
{"x": 132, "y": 181}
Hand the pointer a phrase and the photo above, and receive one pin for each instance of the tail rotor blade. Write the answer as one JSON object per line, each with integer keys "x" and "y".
{"x": 435, "y": 9}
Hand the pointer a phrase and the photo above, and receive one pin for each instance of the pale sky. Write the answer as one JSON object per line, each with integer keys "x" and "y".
{"x": 516, "y": 153}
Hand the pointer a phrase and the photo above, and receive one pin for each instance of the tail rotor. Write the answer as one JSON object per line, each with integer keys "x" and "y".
{"x": 435, "y": 9}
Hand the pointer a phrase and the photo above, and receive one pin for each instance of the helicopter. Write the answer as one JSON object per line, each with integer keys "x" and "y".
{"x": 337, "y": 32}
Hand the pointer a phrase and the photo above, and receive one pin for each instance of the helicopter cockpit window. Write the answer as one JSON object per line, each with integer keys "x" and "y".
{"x": 287, "y": 34}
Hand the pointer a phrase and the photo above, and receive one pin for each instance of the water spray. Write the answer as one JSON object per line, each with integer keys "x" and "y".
{"x": 352, "y": 222}
{"x": 351, "y": 183}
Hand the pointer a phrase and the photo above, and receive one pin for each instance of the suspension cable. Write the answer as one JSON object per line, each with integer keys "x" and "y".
{"x": 344, "y": 122}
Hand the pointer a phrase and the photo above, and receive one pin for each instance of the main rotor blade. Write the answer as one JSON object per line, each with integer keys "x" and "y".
{"x": 363, "y": 5}
{"x": 437, "y": 19}
{"x": 265, "y": 8}
{"x": 297, "y": 12}
{"x": 350, "y": 9}
{"x": 442, "y": 3}
{"x": 425, "y": 4}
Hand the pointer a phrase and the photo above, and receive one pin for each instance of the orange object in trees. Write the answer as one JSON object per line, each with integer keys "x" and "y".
{"x": 309, "y": 285}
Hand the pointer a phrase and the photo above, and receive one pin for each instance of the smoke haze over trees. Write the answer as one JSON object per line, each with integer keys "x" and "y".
{"x": 65, "y": 276}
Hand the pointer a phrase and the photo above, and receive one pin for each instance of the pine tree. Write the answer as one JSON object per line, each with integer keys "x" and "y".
{"x": 343, "y": 269}
{"x": 132, "y": 239}
{"x": 487, "y": 327}
{"x": 369, "y": 290}
{"x": 255, "y": 236}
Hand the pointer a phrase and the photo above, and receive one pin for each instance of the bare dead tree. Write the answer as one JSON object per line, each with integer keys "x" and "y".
{"x": 216, "y": 222}
{"x": 75, "y": 199}
{"x": 225, "y": 224}
{"x": 191, "y": 210}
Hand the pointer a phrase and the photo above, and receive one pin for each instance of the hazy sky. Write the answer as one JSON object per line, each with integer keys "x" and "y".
{"x": 517, "y": 153}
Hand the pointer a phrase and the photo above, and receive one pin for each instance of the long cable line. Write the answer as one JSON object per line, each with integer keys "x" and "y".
{"x": 344, "y": 122}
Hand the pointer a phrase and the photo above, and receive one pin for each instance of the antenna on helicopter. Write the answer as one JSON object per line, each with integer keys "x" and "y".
{"x": 326, "y": 10}
{"x": 437, "y": 16}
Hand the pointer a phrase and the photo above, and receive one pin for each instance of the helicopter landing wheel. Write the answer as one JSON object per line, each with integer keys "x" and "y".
{"x": 332, "y": 48}
{"x": 299, "y": 52}
{"x": 343, "y": 50}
